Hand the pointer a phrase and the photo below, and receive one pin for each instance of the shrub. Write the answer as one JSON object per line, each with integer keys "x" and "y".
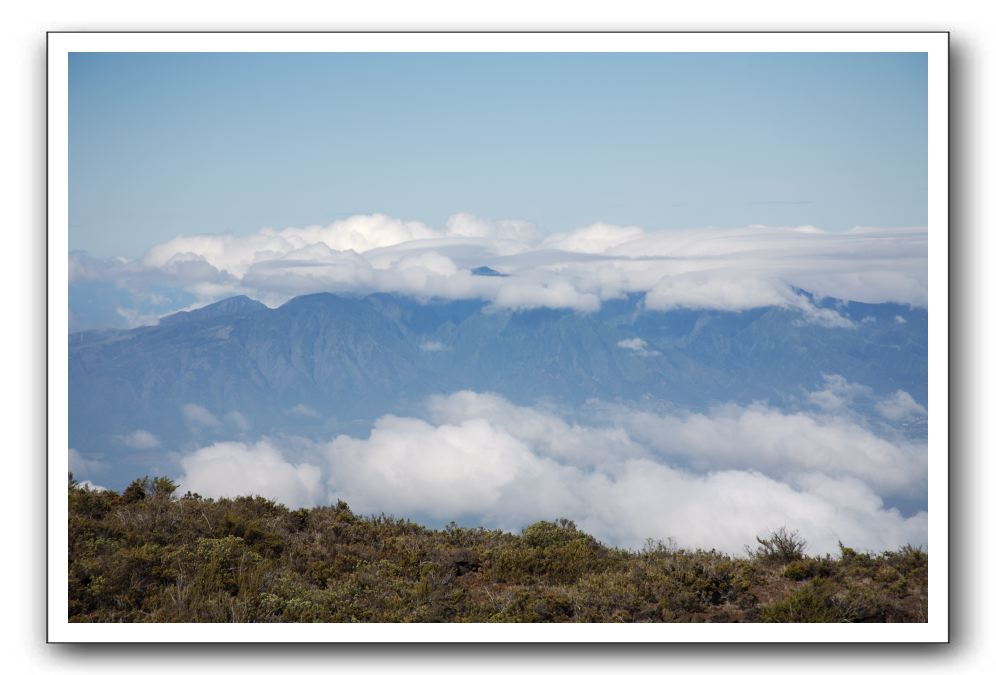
{"x": 813, "y": 603}
{"x": 781, "y": 546}
{"x": 147, "y": 556}
{"x": 807, "y": 568}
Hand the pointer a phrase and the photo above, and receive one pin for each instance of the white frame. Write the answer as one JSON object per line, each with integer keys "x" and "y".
{"x": 935, "y": 44}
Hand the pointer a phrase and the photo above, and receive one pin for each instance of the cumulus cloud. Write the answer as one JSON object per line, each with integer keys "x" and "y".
{"x": 234, "y": 469}
{"x": 780, "y": 444}
{"x": 710, "y": 480}
{"x": 838, "y": 394}
{"x": 140, "y": 439}
{"x": 900, "y": 406}
{"x": 91, "y": 486}
{"x": 480, "y": 456}
{"x": 723, "y": 269}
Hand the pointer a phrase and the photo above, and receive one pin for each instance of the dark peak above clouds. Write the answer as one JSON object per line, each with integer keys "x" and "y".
{"x": 485, "y": 271}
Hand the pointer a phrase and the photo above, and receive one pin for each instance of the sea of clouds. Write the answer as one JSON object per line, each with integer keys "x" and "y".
{"x": 727, "y": 269}
{"x": 706, "y": 479}
{"x": 711, "y": 478}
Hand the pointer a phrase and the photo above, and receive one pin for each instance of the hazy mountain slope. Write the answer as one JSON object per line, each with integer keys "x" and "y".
{"x": 323, "y": 364}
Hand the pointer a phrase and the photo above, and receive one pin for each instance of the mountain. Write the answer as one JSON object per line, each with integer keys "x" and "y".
{"x": 325, "y": 364}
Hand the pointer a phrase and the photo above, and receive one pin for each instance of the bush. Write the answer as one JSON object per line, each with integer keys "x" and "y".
{"x": 807, "y": 568}
{"x": 781, "y": 546}
{"x": 813, "y": 603}
{"x": 145, "y": 555}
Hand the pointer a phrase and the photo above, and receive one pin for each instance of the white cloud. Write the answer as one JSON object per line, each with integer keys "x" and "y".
{"x": 713, "y": 480}
{"x": 234, "y": 469}
{"x": 838, "y": 394}
{"x": 90, "y": 486}
{"x": 480, "y": 456}
{"x": 638, "y": 345}
{"x": 900, "y": 319}
{"x": 431, "y": 346}
{"x": 140, "y": 439}
{"x": 780, "y": 445}
{"x": 724, "y": 269}
{"x": 198, "y": 416}
{"x": 596, "y": 238}
{"x": 900, "y": 406}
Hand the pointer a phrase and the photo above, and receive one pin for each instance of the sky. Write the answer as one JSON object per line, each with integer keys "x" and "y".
{"x": 721, "y": 182}
{"x": 163, "y": 145}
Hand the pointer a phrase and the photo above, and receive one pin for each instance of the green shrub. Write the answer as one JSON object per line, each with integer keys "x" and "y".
{"x": 808, "y": 568}
{"x": 781, "y": 546}
{"x": 813, "y": 603}
{"x": 145, "y": 555}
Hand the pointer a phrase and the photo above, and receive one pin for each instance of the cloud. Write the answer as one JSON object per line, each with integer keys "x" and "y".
{"x": 597, "y": 238}
{"x": 90, "y": 486}
{"x": 709, "y": 480}
{"x": 80, "y": 465}
{"x": 238, "y": 420}
{"x": 838, "y": 394}
{"x": 900, "y": 319}
{"x": 779, "y": 444}
{"x": 638, "y": 345}
{"x": 198, "y": 417}
{"x": 431, "y": 346}
{"x": 722, "y": 269}
{"x": 134, "y": 319}
{"x": 303, "y": 410}
{"x": 900, "y": 406}
{"x": 234, "y": 469}
{"x": 482, "y": 457}
{"x": 140, "y": 439}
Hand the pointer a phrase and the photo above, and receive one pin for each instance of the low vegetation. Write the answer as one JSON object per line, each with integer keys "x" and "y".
{"x": 147, "y": 555}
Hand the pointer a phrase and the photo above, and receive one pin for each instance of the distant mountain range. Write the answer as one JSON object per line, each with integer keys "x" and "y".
{"x": 325, "y": 364}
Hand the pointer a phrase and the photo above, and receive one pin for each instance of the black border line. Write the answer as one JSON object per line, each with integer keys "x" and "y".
{"x": 48, "y": 337}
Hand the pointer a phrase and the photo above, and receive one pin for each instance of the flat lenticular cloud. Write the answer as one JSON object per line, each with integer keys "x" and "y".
{"x": 713, "y": 480}
{"x": 724, "y": 269}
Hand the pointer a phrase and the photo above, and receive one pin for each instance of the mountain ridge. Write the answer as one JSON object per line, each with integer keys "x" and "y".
{"x": 350, "y": 359}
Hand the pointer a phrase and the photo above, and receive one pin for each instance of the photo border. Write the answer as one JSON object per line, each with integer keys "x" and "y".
{"x": 935, "y": 43}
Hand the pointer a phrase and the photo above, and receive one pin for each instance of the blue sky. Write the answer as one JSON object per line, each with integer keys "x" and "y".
{"x": 170, "y": 144}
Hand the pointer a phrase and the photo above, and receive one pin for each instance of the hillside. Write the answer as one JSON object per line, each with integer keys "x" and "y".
{"x": 146, "y": 555}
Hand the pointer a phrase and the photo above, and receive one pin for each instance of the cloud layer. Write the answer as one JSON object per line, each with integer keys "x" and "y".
{"x": 731, "y": 269}
{"x": 708, "y": 480}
